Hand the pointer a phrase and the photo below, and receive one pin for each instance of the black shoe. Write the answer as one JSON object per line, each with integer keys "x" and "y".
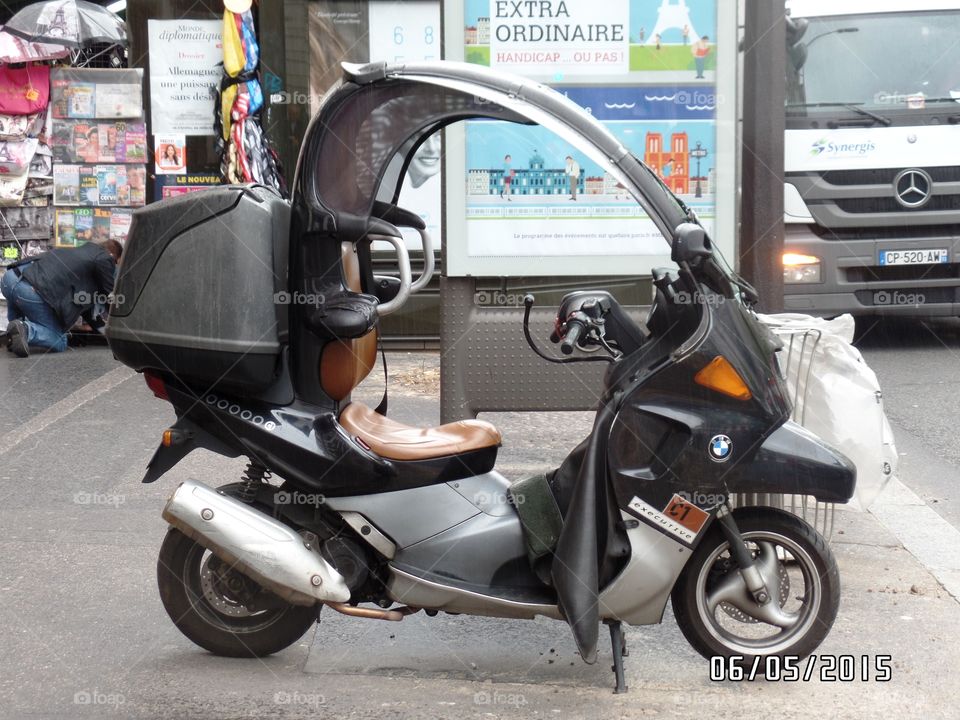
{"x": 18, "y": 338}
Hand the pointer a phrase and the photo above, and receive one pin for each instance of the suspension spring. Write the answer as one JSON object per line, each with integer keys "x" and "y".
{"x": 253, "y": 477}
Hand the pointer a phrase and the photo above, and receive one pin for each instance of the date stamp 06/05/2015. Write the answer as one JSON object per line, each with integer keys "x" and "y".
{"x": 791, "y": 668}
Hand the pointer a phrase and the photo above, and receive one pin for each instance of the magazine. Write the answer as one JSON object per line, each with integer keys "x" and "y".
{"x": 101, "y": 224}
{"x": 89, "y": 185}
{"x": 137, "y": 180}
{"x": 135, "y": 144}
{"x": 118, "y": 101}
{"x": 83, "y": 225}
{"x": 121, "y": 141}
{"x": 86, "y": 142}
{"x": 80, "y": 100}
{"x": 170, "y": 154}
{"x": 59, "y": 99}
{"x": 107, "y": 184}
{"x": 120, "y": 224}
{"x": 66, "y": 184}
{"x": 66, "y": 233}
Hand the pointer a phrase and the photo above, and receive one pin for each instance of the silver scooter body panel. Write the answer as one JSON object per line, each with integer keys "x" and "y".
{"x": 468, "y": 529}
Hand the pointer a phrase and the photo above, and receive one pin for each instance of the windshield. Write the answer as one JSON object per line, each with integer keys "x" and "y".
{"x": 883, "y": 61}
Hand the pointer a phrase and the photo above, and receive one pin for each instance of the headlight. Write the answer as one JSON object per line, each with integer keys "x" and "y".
{"x": 798, "y": 268}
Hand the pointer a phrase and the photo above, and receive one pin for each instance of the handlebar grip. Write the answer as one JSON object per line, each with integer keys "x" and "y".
{"x": 574, "y": 328}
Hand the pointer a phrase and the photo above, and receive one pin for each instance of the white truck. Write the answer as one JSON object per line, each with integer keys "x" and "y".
{"x": 872, "y": 157}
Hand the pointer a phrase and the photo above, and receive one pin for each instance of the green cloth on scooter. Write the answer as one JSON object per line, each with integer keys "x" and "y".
{"x": 539, "y": 515}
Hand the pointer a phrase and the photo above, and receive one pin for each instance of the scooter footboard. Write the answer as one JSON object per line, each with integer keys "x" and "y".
{"x": 795, "y": 461}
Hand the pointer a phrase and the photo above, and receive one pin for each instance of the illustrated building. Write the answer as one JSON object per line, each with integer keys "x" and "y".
{"x": 593, "y": 185}
{"x": 535, "y": 179}
{"x": 470, "y": 35}
{"x": 478, "y": 182}
{"x": 670, "y": 163}
{"x": 483, "y": 31}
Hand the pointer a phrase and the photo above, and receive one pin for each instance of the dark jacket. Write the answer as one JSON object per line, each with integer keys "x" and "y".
{"x": 70, "y": 279}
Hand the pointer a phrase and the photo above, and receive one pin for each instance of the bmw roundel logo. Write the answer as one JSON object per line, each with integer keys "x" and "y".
{"x": 720, "y": 448}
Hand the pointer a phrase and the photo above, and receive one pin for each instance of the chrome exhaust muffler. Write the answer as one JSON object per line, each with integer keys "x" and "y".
{"x": 258, "y": 546}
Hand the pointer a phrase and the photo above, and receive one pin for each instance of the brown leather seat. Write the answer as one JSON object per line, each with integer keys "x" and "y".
{"x": 395, "y": 441}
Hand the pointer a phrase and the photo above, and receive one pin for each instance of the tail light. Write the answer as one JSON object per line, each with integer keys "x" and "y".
{"x": 155, "y": 383}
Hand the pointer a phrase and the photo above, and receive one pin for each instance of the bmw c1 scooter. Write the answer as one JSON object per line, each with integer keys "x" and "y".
{"x": 256, "y": 318}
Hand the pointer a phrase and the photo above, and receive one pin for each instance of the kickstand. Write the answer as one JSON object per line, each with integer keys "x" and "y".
{"x": 619, "y": 643}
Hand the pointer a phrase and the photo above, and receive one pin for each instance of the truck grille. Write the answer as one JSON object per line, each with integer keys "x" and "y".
{"x": 885, "y": 176}
{"x": 849, "y": 200}
{"x": 895, "y": 232}
{"x": 902, "y": 273}
{"x": 889, "y": 205}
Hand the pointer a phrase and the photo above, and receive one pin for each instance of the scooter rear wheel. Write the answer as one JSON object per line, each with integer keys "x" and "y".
{"x": 205, "y": 600}
{"x": 719, "y": 617}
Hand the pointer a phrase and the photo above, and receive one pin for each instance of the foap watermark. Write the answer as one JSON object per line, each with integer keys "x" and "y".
{"x": 706, "y": 500}
{"x": 697, "y": 99}
{"x": 285, "y": 97}
{"x": 89, "y": 498}
{"x": 912, "y": 100}
{"x": 698, "y": 298}
{"x": 896, "y": 297}
{"x": 498, "y": 697}
{"x": 283, "y": 697}
{"x": 299, "y": 298}
{"x": 82, "y": 298}
{"x": 498, "y": 298}
{"x": 98, "y": 697}
{"x": 285, "y": 497}
{"x": 486, "y": 499}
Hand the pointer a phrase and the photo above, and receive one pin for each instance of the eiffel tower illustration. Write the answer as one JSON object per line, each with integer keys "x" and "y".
{"x": 672, "y": 16}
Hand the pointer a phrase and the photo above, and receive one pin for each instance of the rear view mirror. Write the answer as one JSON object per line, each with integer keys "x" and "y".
{"x": 690, "y": 244}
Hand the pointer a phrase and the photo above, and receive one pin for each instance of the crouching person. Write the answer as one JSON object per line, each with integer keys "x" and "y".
{"x": 47, "y": 294}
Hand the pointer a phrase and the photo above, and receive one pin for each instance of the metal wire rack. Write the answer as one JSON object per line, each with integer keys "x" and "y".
{"x": 796, "y": 361}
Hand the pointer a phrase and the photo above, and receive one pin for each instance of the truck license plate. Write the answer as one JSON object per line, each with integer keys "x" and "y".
{"x": 914, "y": 257}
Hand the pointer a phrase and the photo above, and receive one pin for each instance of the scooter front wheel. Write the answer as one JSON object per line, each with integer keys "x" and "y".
{"x": 220, "y": 609}
{"x": 718, "y": 615}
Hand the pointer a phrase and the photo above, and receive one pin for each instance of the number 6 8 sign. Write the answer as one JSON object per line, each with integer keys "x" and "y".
{"x": 410, "y": 35}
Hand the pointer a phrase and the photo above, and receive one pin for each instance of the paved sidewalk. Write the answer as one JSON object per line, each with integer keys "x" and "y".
{"x": 85, "y": 635}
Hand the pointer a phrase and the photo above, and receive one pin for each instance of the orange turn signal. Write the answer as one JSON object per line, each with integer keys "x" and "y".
{"x": 167, "y": 438}
{"x": 719, "y": 375}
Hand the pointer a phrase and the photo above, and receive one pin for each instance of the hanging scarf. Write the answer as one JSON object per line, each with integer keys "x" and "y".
{"x": 234, "y": 58}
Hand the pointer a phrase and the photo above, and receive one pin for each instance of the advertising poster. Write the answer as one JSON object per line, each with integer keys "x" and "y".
{"x": 170, "y": 154}
{"x": 367, "y": 31}
{"x": 167, "y": 186}
{"x": 186, "y": 59}
{"x": 644, "y": 68}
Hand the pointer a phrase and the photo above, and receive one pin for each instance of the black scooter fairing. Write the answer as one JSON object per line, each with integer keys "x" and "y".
{"x": 653, "y": 434}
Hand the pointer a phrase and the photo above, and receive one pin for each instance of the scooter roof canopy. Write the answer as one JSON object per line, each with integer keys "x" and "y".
{"x": 369, "y": 126}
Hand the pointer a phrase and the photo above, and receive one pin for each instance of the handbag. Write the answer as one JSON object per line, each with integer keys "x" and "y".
{"x": 25, "y": 90}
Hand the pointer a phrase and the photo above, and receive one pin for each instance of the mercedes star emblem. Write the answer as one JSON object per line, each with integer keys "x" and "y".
{"x": 913, "y": 187}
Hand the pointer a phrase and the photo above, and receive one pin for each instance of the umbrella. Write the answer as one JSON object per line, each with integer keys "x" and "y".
{"x": 15, "y": 49}
{"x": 71, "y": 23}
